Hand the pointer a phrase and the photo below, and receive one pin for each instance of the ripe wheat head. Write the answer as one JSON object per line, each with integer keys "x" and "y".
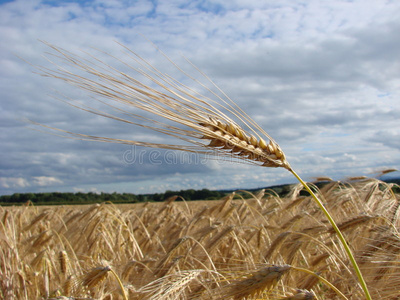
{"x": 211, "y": 127}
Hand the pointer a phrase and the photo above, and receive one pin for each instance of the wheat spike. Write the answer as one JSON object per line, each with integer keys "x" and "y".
{"x": 301, "y": 295}
{"x": 256, "y": 283}
{"x": 63, "y": 260}
{"x": 234, "y": 140}
{"x": 353, "y": 222}
{"x": 5, "y": 216}
{"x": 170, "y": 286}
{"x": 356, "y": 178}
{"x": 387, "y": 171}
{"x": 68, "y": 285}
{"x": 322, "y": 178}
{"x": 95, "y": 276}
{"x": 187, "y": 115}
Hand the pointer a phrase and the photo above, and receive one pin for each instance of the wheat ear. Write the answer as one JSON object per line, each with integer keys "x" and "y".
{"x": 255, "y": 283}
{"x": 205, "y": 125}
{"x": 95, "y": 276}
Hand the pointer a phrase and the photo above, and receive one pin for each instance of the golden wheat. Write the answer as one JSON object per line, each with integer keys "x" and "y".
{"x": 254, "y": 284}
{"x": 301, "y": 295}
{"x": 197, "y": 251}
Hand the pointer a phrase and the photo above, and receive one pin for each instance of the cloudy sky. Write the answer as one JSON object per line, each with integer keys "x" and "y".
{"x": 321, "y": 77}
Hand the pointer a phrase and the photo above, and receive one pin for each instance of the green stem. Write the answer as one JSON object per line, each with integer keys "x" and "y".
{"x": 339, "y": 234}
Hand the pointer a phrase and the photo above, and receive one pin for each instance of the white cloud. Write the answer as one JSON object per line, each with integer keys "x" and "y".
{"x": 13, "y": 183}
{"x": 389, "y": 138}
{"x": 45, "y": 180}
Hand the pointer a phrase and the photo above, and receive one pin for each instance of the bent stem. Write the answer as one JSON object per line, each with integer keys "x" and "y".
{"x": 326, "y": 282}
{"x": 121, "y": 286}
{"x": 339, "y": 234}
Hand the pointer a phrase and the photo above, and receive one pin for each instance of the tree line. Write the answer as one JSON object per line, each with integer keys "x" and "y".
{"x": 90, "y": 197}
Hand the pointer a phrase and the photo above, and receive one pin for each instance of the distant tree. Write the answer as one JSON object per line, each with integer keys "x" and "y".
{"x": 158, "y": 197}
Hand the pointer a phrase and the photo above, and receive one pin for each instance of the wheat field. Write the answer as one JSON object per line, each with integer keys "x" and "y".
{"x": 265, "y": 247}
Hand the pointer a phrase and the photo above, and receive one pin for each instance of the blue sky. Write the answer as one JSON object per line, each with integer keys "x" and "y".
{"x": 321, "y": 77}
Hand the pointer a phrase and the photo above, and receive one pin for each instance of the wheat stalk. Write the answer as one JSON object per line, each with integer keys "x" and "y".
{"x": 206, "y": 126}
